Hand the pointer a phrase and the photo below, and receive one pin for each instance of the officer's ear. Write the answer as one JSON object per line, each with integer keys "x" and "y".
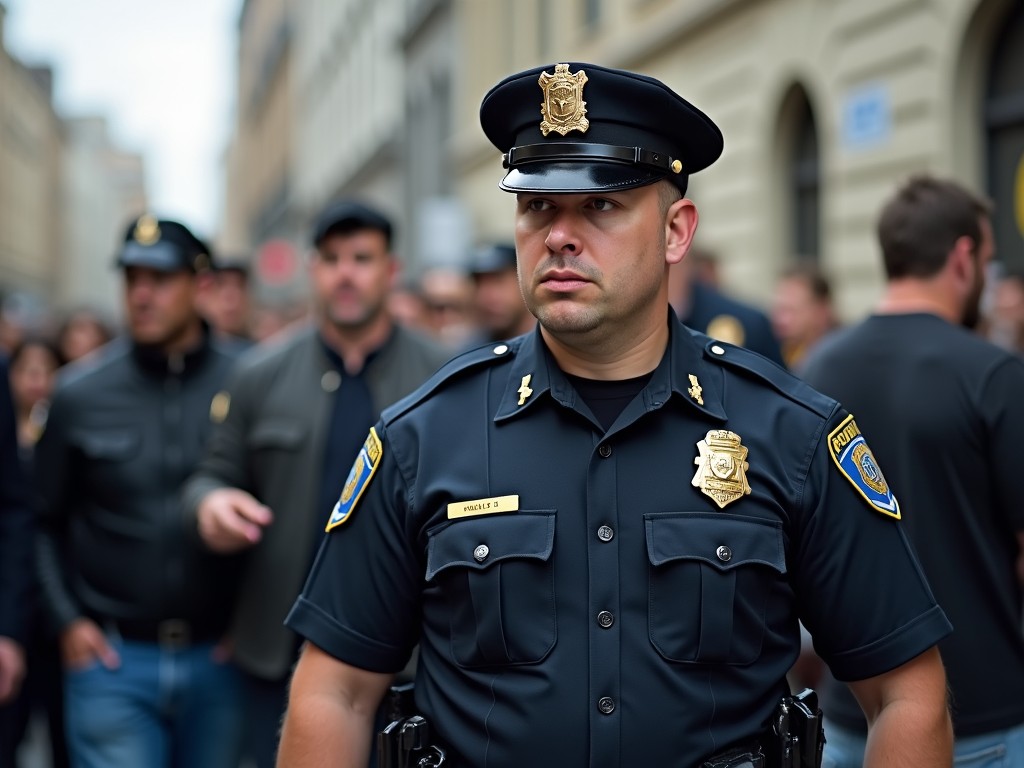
{"x": 680, "y": 227}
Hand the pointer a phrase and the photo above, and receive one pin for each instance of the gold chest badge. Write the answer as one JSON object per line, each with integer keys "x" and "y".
{"x": 721, "y": 467}
{"x": 563, "y": 108}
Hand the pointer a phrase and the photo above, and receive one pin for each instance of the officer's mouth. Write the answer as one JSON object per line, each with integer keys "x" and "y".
{"x": 563, "y": 281}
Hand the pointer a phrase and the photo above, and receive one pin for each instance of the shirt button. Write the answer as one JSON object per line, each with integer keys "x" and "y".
{"x": 330, "y": 381}
{"x": 605, "y": 533}
{"x": 605, "y": 619}
{"x": 605, "y": 450}
{"x": 481, "y": 553}
{"x": 606, "y": 705}
{"x": 724, "y": 554}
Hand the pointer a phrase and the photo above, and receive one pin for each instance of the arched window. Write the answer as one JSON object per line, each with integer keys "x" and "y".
{"x": 1004, "y": 121}
{"x": 803, "y": 175}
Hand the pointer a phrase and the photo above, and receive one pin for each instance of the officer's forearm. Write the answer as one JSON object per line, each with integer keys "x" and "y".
{"x": 909, "y": 736}
{"x": 908, "y": 717}
{"x": 331, "y": 711}
{"x": 320, "y": 732}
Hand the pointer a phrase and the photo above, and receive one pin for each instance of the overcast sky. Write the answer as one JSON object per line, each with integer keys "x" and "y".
{"x": 161, "y": 71}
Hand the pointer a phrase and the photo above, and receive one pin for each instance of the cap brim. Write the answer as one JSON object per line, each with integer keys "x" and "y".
{"x": 162, "y": 256}
{"x": 577, "y": 177}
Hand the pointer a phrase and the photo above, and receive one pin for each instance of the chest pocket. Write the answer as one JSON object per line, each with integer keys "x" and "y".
{"x": 711, "y": 576}
{"x": 496, "y": 580}
{"x": 108, "y": 445}
{"x": 280, "y": 434}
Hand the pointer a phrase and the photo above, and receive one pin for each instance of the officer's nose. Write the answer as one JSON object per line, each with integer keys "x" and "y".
{"x": 563, "y": 235}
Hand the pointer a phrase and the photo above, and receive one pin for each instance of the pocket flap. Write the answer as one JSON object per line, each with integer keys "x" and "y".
{"x": 277, "y": 434}
{"x": 112, "y": 445}
{"x": 479, "y": 542}
{"x": 722, "y": 540}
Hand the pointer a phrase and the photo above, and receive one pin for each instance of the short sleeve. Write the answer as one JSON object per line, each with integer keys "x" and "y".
{"x": 1002, "y": 409}
{"x": 360, "y": 603}
{"x": 861, "y": 591}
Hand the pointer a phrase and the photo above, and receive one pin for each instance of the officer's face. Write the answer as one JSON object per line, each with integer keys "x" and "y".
{"x": 351, "y": 276}
{"x": 592, "y": 261}
{"x": 160, "y": 306}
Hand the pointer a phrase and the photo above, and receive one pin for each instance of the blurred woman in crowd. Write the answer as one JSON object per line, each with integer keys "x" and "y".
{"x": 82, "y": 331}
{"x": 33, "y": 365}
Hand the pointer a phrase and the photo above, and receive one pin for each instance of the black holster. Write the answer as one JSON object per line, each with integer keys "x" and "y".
{"x": 796, "y": 738}
{"x": 405, "y": 740}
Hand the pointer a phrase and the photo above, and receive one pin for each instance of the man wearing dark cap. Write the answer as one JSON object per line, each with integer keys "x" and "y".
{"x": 604, "y": 534}
{"x": 292, "y": 416}
{"x": 226, "y": 304}
{"x": 500, "y": 309}
{"x": 139, "y": 603}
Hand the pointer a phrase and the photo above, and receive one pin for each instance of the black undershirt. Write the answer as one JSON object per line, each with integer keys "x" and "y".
{"x": 607, "y": 399}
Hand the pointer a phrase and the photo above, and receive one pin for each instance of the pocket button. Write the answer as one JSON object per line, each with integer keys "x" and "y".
{"x": 724, "y": 554}
{"x": 480, "y": 553}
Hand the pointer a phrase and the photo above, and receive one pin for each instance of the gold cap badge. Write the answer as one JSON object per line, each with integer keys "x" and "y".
{"x": 563, "y": 108}
{"x": 721, "y": 467}
{"x": 147, "y": 231}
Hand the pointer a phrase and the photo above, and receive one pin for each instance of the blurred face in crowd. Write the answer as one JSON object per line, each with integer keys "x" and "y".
{"x": 596, "y": 260}
{"x": 160, "y": 307}
{"x": 500, "y": 308}
{"x": 351, "y": 274}
{"x": 82, "y": 333}
{"x": 229, "y": 310}
{"x": 983, "y": 253}
{"x": 797, "y": 315}
{"x": 31, "y": 375}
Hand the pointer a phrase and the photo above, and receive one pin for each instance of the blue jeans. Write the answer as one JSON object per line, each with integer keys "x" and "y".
{"x": 999, "y": 749}
{"x": 162, "y": 708}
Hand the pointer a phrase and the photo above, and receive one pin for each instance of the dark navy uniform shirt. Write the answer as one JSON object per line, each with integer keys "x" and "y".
{"x": 612, "y": 614}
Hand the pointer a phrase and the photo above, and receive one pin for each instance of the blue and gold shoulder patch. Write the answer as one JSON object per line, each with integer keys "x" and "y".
{"x": 851, "y": 454}
{"x": 359, "y": 477}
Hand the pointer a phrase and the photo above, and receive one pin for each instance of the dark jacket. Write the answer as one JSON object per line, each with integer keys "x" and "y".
{"x": 15, "y": 525}
{"x": 727, "y": 319}
{"x": 123, "y": 434}
{"x": 271, "y": 444}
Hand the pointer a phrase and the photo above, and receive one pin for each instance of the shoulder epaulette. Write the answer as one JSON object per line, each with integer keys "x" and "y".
{"x": 455, "y": 368}
{"x": 781, "y": 380}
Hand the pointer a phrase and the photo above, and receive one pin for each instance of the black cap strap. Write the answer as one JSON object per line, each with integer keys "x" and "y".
{"x": 532, "y": 153}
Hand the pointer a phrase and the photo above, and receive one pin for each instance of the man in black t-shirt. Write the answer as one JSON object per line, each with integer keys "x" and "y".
{"x": 945, "y": 413}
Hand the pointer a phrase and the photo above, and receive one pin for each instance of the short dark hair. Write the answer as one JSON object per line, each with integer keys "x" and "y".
{"x": 344, "y": 217}
{"x": 812, "y": 276}
{"x": 920, "y": 225}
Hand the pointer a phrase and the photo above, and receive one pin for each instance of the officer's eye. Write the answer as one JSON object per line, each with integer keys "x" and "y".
{"x": 536, "y": 204}
{"x": 601, "y": 204}
{"x": 362, "y": 257}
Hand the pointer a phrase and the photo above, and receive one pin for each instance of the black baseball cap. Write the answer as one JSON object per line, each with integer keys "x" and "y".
{"x": 496, "y": 257}
{"x": 344, "y": 216}
{"x": 164, "y": 245}
{"x": 576, "y": 127}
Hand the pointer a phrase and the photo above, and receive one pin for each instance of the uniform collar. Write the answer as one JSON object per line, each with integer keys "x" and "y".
{"x": 155, "y": 361}
{"x": 534, "y": 374}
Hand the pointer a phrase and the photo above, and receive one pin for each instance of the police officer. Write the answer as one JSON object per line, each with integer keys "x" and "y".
{"x": 605, "y": 532}
{"x": 139, "y": 603}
